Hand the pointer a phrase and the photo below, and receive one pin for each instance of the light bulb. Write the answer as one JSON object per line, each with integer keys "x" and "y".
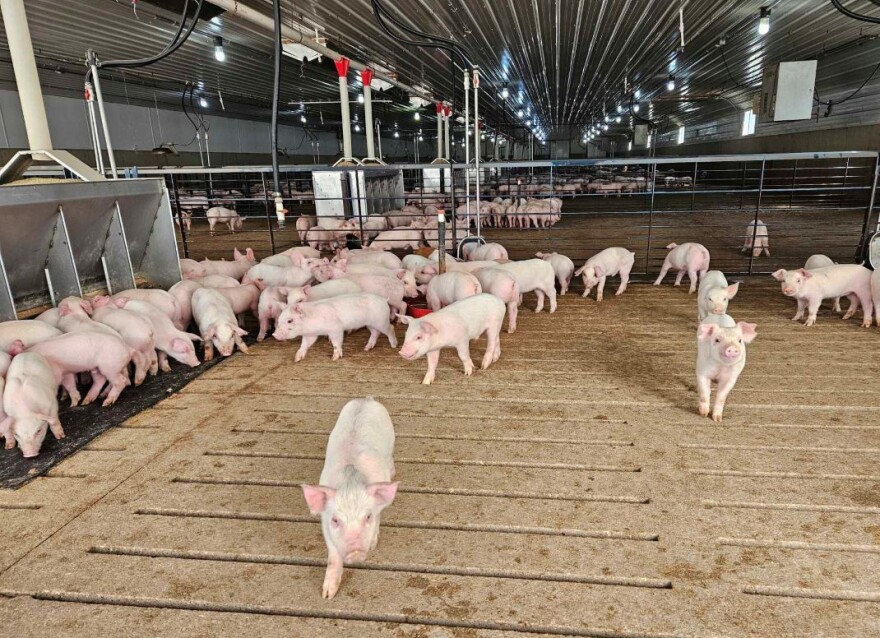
{"x": 519, "y": 114}
{"x": 396, "y": 134}
{"x": 302, "y": 118}
{"x": 417, "y": 117}
{"x": 357, "y": 127}
{"x": 617, "y": 119}
{"x": 635, "y": 108}
{"x": 764, "y": 21}
{"x": 604, "y": 127}
{"x": 670, "y": 84}
{"x": 203, "y": 102}
{"x": 528, "y": 122}
{"x": 619, "y": 108}
{"x": 361, "y": 98}
{"x": 421, "y": 139}
{"x": 219, "y": 53}
{"x": 505, "y": 93}
{"x": 637, "y": 94}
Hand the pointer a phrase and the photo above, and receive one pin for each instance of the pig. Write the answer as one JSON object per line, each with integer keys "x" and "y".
{"x": 810, "y": 287}
{"x": 714, "y": 294}
{"x": 74, "y": 317}
{"x": 333, "y": 317}
{"x": 136, "y": 331}
{"x": 534, "y": 275}
{"x": 169, "y": 340}
{"x": 30, "y": 404}
{"x": 303, "y": 224}
{"x": 690, "y": 258}
{"x": 320, "y": 238}
{"x": 398, "y": 238}
{"x": 486, "y": 252}
{"x": 298, "y": 253}
{"x": 217, "y": 323}
{"x": 191, "y": 269}
{"x": 272, "y": 302}
{"x": 29, "y": 332}
{"x": 330, "y": 288}
{"x": 450, "y": 287}
{"x": 757, "y": 239}
{"x": 50, "y": 316}
{"x": 282, "y": 261}
{"x": 182, "y": 291}
{"x": 875, "y": 294}
{"x": 814, "y": 262}
{"x": 106, "y": 357}
{"x": 217, "y": 281}
{"x": 407, "y": 277}
{"x": 721, "y": 357}
{"x": 415, "y": 263}
{"x": 455, "y": 326}
{"x": 224, "y": 216}
{"x": 562, "y": 266}
{"x": 275, "y": 276}
{"x": 160, "y": 299}
{"x": 384, "y": 259}
{"x": 242, "y": 298}
{"x": 5, "y": 360}
{"x": 236, "y": 268}
{"x": 355, "y": 486}
{"x": 503, "y": 285}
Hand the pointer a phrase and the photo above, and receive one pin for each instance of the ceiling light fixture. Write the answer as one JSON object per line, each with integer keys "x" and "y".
{"x": 219, "y": 53}
{"x": 360, "y": 98}
{"x": 504, "y": 92}
{"x": 203, "y": 102}
{"x": 764, "y": 21}
{"x": 417, "y": 117}
{"x": 670, "y": 83}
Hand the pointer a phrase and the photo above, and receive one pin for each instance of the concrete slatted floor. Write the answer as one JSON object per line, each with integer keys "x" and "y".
{"x": 570, "y": 490}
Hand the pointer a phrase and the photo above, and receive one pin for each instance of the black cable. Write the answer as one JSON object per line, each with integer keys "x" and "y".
{"x": 183, "y": 107}
{"x": 276, "y": 90}
{"x": 176, "y": 42}
{"x": 852, "y": 14}
{"x": 420, "y": 34}
{"x": 730, "y": 75}
{"x": 851, "y": 95}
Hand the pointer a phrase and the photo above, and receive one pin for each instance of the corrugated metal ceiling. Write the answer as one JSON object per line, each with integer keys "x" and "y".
{"x": 566, "y": 60}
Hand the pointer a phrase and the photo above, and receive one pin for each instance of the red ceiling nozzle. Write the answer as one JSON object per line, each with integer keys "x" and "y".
{"x": 439, "y": 108}
{"x": 448, "y": 111}
{"x": 366, "y": 77}
{"x": 342, "y": 66}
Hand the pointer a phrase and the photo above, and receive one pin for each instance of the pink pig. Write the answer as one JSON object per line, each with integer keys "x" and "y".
{"x": 502, "y": 285}
{"x": 134, "y": 329}
{"x": 236, "y": 268}
{"x": 367, "y": 256}
{"x": 29, "y": 332}
{"x": 810, "y": 287}
{"x": 272, "y": 302}
{"x": 30, "y": 404}
{"x": 355, "y": 486}
{"x": 217, "y": 323}
{"x": 721, "y": 357}
{"x": 330, "y": 288}
{"x": 333, "y": 317}
{"x": 183, "y": 291}
{"x": 243, "y": 298}
{"x": 607, "y": 263}
{"x": 455, "y": 326}
{"x": 690, "y": 258}
{"x": 562, "y": 266}
{"x": 450, "y": 287}
{"x": 158, "y": 298}
{"x": 486, "y": 252}
{"x": 275, "y": 276}
{"x": 534, "y": 275}
{"x": 169, "y": 340}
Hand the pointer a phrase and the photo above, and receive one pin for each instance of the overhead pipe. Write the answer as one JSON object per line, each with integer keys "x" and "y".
{"x": 342, "y": 65}
{"x": 467, "y": 148}
{"x": 89, "y": 95}
{"x": 366, "y": 80}
{"x": 235, "y": 8}
{"x": 92, "y": 62}
{"x": 447, "y": 117}
{"x": 21, "y": 50}
{"x": 439, "y": 130}
{"x": 476, "y": 82}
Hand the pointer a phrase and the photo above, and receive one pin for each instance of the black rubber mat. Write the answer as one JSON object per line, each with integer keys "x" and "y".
{"x": 82, "y": 424}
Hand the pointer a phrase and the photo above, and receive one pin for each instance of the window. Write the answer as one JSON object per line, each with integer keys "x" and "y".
{"x": 749, "y": 120}
{"x": 648, "y": 144}
{"x": 681, "y": 135}
{"x": 629, "y": 146}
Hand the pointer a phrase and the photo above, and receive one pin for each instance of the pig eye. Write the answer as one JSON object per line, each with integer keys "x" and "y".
{"x": 740, "y": 340}
{"x": 368, "y": 518}
{"x": 335, "y": 522}
{"x": 717, "y": 340}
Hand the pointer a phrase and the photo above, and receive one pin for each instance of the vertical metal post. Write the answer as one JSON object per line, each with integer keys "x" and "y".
{"x": 467, "y": 150}
{"x": 183, "y": 233}
{"x": 864, "y": 246}
{"x": 439, "y": 130}
{"x": 342, "y": 70}
{"x": 93, "y": 127}
{"x": 366, "y": 79}
{"x": 653, "y": 174}
{"x": 757, "y": 214}
{"x": 93, "y": 64}
{"x": 794, "y": 183}
{"x": 843, "y": 186}
{"x": 694, "y": 185}
{"x": 447, "y": 118}
{"x": 269, "y": 207}
{"x": 742, "y": 187}
{"x": 476, "y": 83}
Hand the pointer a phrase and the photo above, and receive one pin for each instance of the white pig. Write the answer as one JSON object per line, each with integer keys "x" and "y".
{"x": 562, "y": 266}
{"x": 135, "y": 330}
{"x": 182, "y": 291}
{"x": 332, "y": 318}
{"x": 30, "y": 403}
{"x": 450, "y": 287}
{"x": 51, "y": 317}
{"x": 375, "y": 257}
{"x": 607, "y": 263}
{"x": 29, "y": 332}
{"x": 721, "y": 357}
{"x": 217, "y": 323}
{"x": 355, "y": 486}
{"x": 169, "y": 340}
{"x": 757, "y": 239}
{"x": 533, "y": 275}
{"x": 690, "y": 258}
{"x": 487, "y": 252}
{"x": 275, "y": 276}
{"x": 714, "y": 294}
{"x": 810, "y": 287}
{"x": 158, "y": 298}
{"x": 503, "y": 285}
{"x": 236, "y": 268}
{"x": 217, "y": 281}
{"x": 455, "y": 326}
{"x": 330, "y": 288}
{"x": 819, "y": 261}
{"x": 219, "y": 214}
{"x": 398, "y": 238}
{"x": 272, "y": 302}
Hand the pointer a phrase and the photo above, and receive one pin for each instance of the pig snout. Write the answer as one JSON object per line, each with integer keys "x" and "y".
{"x": 730, "y": 352}
{"x": 29, "y": 450}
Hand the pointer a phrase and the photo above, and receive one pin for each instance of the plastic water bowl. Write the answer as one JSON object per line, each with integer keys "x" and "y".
{"x": 418, "y": 308}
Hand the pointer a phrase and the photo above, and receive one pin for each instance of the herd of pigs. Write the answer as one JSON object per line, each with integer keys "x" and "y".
{"x": 113, "y": 341}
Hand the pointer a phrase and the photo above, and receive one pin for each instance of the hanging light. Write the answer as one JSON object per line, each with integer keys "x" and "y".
{"x": 203, "y": 102}
{"x": 619, "y": 108}
{"x": 504, "y": 92}
{"x": 617, "y": 119}
{"x": 360, "y": 98}
{"x": 302, "y": 118}
{"x": 396, "y": 133}
{"x": 417, "y": 117}
{"x": 219, "y": 53}
{"x": 421, "y": 139}
{"x": 670, "y": 83}
{"x": 636, "y": 107}
{"x": 604, "y": 127}
{"x": 528, "y": 122}
{"x": 764, "y": 21}
{"x": 637, "y": 94}
{"x": 357, "y": 127}
{"x": 520, "y": 114}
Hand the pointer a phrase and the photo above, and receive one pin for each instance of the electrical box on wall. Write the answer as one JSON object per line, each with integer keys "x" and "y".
{"x": 640, "y": 135}
{"x": 787, "y": 91}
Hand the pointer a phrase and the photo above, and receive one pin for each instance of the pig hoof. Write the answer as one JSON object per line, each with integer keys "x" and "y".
{"x": 337, "y": 355}
{"x": 716, "y": 416}
{"x": 298, "y": 357}
{"x": 428, "y": 379}
{"x": 704, "y": 410}
{"x": 866, "y": 324}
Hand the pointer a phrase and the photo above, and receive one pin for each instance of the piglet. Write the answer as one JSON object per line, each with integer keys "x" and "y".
{"x": 450, "y": 287}
{"x": 333, "y": 317}
{"x": 367, "y": 256}
{"x": 30, "y": 404}
{"x": 502, "y": 285}
{"x": 757, "y": 239}
{"x": 455, "y": 326}
{"x": 29, "y": 332}
{"x": 134, "y": 329}
{"x": 607, "y": 263}
{"x": 222, "y": 215}
{"x": 244, "y": 297}
{"x": 391, "y": 288}
{"x": 272, "y": 302}
{"x": 217, "y": 323}
{"x": 810, "y": 287}
{"x": 330, "y": 288}
{"x": 690, "y": 258}
{"x": 217, "y": 281}
{"x": 721, "y": 357}
{"x": 183, "y": 291}
{"x": 170, "y": 342}
{"x": 236, "y": 268}
{"x": 275, "y": 276}
{"x": 562, "y": 266}
{"x": 714, "y": 294}
{"x": 818, "y": 261}
{"x": 191, "y": 269}
{"x": 158, "y": 298}
{"x": 534, "y": 275}
{"x": 485, "y": 252}
{"x": 875, "y": 294}
{"x": 355, "y": 486}
{"x": 401, "y": 238}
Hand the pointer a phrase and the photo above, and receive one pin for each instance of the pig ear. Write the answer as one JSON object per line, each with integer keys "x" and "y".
{"x": 86, "y": 305}
{"x": 401, "y": 274}
{"x": 598, "y": 270}
{"x": 317, "y": 497}
{"x": 422, "y": 288}
{"x": 429, "y": 328}
{"x": 120, "y": 302}
{"x": 429, "y": 270}
{"x": 705, "y": 331}
{"x": 383, "y": 493}
{"x": 63, "y": 309}
{"x": 749, "y": 331}
{"x": 236, "y": 254}
{"x": 250, "y": 254}
{"x": 404, "y": 319}
{"x": 180, "y": 345}
{"x": 211, "y": 333}
{"x": 305, "y": 288}
{"x": 539, "y": 255}
{"x": 779, "y": 275}
{"x": 732, "y": 290}
{"x": 259, "y": 283}
{"x": 17, "y": 347}
{"x": 241, "y": 332}
{"x": 806, "y": 273}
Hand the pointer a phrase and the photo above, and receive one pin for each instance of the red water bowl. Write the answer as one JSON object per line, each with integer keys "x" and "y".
{"x": 418, "y": 308}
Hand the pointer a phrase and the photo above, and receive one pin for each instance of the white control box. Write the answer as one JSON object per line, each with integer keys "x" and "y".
{"x": 787, "y": 91}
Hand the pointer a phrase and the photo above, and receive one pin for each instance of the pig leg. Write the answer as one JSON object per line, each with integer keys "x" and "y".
{"x": 551, "y": 293}
{"x": 867, "y": 308}
{"x": 464, "y": 353}
{"x": 264, "y": 328}
{"x": 163, "y": 361}
{"x": 388, "y": 331}
{"x": 333, "y": 575}
{"x": 853, "y": 306}
{"x": 512, "y": 310}
{"x": 725, "y": 385}
{"x": 242, "y": 346}
{"x": 336, "y": 340}
{"x": 624, "y": 281}
{"x": 564, "y": 284}
{"x": 600, "y": 288}
{"x": 56, "y": 429}
{"x": 586, "y": 289}
{"x": 117, "y": 387}
{"x": 540, "y": 294}
{"x": 837, "y": 307}
{"x": 154, "y": 363}
{"x": 812, "y": 309}
{"x": 693, "y": 277}
{"x": 371, "y": 343}
{"x": 307, "y": 342}
{"x": 663, "y": 271}
{"x": 433, "y": 359}
{"x": 211, "y": 223}
{"x": 69, "y": 383}
{"x": 679, "y": 277}
{"x": 704, "y": 393}
{"x": 802, "y": 306}
{"x": 98, "y": 381}
{"x": 209, "y": 349}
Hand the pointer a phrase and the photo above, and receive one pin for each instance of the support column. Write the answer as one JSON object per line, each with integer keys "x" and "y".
{"x": 439, "y": 130}
{"x": 366, "y": 79}
{"x": 342, "y": 70}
